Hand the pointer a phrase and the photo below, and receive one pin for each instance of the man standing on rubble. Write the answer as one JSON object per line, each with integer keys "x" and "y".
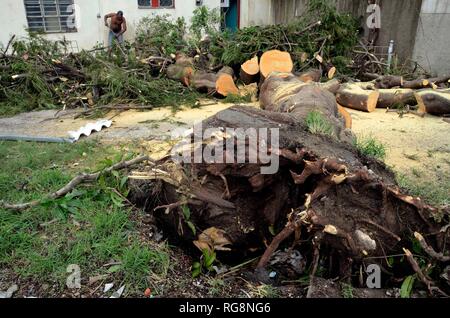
{"x": 117, "y": 27}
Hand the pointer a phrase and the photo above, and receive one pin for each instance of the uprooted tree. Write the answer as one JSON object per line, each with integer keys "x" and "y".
{"x": 326, "y": 199}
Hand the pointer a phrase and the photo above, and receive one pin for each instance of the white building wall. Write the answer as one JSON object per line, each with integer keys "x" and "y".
{"x": 432, "y": 39}
{"x": 256, "y": 12}
{"x": 92, "y": 29}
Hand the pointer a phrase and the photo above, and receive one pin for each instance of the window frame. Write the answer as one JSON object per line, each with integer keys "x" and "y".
{"x": 151, "y": 7}
{"x": 43, "y": 16}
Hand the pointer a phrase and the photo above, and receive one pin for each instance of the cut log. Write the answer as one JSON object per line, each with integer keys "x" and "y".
{"x": 353, "y": 96}
{"x": 389, "y": 81}
{"x": 329, "y": 69}
{"x": 225, "y": 85}
{"x": 390, "y": 97}
{"x": 347, "y": 117}
{"x": 427, "y": 83}
{"x": 204, "y": 82}
{"x": 275, "y": 61}
{"x": 226, "y": 70}
{"x": 331, "y": 86}
{"x": 180, "y": 73}
{"x": 366, "y": 85}
{"x": 222, "y": 83}
{"x": 416, "y": 84}
{"x": 250, "y": 71}
{"x": 312, "y": 75}
{"x": 435, "y": 102}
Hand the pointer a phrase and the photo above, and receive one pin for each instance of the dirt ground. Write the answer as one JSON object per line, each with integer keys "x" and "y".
{"x": 411, "y": 142}
{"x": 128, "y": 125}
{"x": 414, "y": 145}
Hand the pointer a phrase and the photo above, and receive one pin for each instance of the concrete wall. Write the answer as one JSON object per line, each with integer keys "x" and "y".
{"x": 256, "y": 12}
{"x": 92, "y": 29}
{"x": 399, "y": 19}
{"x": 433, "y": 38}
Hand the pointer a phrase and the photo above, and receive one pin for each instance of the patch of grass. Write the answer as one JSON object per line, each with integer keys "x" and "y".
{"x": 263, "y": 291}
{"x": 347, "y": 291}
{"x": 237, "y": 99}
{"x": 416, "y": 172}
{"x": 434, "y": 192}
{"x": 89, "y": 227}
{"x": 371, "y": 147}
{"x": 317, "y": 124}
{"x": 216, "y": 287}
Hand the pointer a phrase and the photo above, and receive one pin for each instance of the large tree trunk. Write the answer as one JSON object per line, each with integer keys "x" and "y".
{"x": 286, "y": 93}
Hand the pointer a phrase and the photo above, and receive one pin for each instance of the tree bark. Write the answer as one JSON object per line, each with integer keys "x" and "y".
{"x": 250, "y": 71}
{"x": 353, "y": 96}
{"x": 435, "y": 102}
{"x": 390, "y": 97}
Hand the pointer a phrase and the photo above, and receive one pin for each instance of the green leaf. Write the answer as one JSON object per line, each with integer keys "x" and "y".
{"x": 74, "y": 194}
{"x": 390, "y": 261}
{"x": 196, "y": 269}
{"x": 209, "y": 258}
{"x": 117, "y": 201}
{"x": 192, "y": 227}
{"x": 272, "y": 230}
{"x": 123, "y": 181}
{"x": 186, "y": 212}
{"x": 114, "y": 268}
{"x": 115, "y": 174}
{"x": 416, "y": 247}
{"x": 407, "y": 286}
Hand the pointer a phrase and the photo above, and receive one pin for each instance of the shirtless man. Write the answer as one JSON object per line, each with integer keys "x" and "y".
{"x": 117, "y": 27}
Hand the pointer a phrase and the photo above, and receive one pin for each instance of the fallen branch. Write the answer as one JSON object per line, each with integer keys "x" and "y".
{"x": 81, "y": 178}
{"x": 429, "y": 250}
{"x": 421, "y": 275}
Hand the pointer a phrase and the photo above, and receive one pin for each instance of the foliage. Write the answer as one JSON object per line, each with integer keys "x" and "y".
{"x": 204, "y": 22}
{"x": 205, "y": 264}
{"x": 407, "y": 286}
{"x": 317, "y": 124}
{"x": 89, "y": 227}
{"x": 370, "y": 147}
{"x": 434, "y": 192}
{"x": 160, "y": 33}
{"x": 336, "y": 32}
{"x": 237, "y": 99}
{"x": 347, "y": 291}
{"x": 32, "y": 81}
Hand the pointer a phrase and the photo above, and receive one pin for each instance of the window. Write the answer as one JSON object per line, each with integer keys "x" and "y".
{"x": 155, "y": 4}
{"x": 50, "y": 15}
